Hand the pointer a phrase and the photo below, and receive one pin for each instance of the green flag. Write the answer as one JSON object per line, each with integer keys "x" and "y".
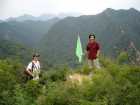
{"x": 79, "y": 51}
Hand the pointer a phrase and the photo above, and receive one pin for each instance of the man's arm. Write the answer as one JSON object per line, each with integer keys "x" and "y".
{"x": 29, "y": 69}
{"x": 87, "y": 50}
{"x": 98, "y": 50}
{"x": 98, "y": 53}
{"x": 29, "y": 72}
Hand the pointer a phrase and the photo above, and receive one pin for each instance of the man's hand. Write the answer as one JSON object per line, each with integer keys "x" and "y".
{"x": 30, "y": 73}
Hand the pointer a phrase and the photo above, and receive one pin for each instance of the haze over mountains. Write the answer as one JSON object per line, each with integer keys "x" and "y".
{"x": 27, "y": 32}
{"x": 56, "y": 37}
{"x": 43, "y": 17}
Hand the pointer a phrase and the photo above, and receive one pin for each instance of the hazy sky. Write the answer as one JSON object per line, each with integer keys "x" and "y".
{"x": 13, "y": 8}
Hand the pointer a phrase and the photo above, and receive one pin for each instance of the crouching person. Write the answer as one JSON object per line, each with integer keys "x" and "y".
{"x": 33, "y": 68}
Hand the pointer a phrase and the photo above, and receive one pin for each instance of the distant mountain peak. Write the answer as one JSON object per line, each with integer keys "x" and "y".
{"x": 109, "y": 10}
{"x": 26, "y": 15}
{"x": 133, "y": 10}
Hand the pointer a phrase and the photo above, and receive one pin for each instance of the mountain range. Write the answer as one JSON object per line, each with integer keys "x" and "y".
{"x": 55, "y": 38}
{"x": 27, "y": 32}
{"x": 114, "y": 30}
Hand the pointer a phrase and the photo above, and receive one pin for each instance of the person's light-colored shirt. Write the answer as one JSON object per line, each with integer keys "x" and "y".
{"x": 35, "y": 66}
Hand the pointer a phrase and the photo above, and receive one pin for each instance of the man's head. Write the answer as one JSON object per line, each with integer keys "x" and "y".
{"x": 35, "y": 57}
{"x": 91, "y": 37}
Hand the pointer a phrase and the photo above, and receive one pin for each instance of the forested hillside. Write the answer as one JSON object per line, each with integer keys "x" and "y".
{"x": 28, "y": 32}
{"x": 115, "y": 30}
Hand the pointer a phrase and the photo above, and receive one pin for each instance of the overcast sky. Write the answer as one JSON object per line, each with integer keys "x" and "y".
{"x": 14, "y": 8}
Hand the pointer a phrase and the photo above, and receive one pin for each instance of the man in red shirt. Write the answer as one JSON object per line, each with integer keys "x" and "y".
{"x": 93, "y": 51}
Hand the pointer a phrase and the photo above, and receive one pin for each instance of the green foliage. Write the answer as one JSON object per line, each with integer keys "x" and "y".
{"x": 14, "y": 50}
{"x": 113, "y": 84}
{"x": 55, "y": 74}
{"x": 85, "y": 70}
{"x": 7, "y": 82}
{"x": 26, "y": 32}
{"x": 21, "y": 97}
{"x": 122, "y": 58}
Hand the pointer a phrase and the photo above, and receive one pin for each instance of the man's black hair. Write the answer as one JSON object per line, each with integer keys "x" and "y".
{"x": 36, "y": 55}
{"x": 91, "y": 34}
